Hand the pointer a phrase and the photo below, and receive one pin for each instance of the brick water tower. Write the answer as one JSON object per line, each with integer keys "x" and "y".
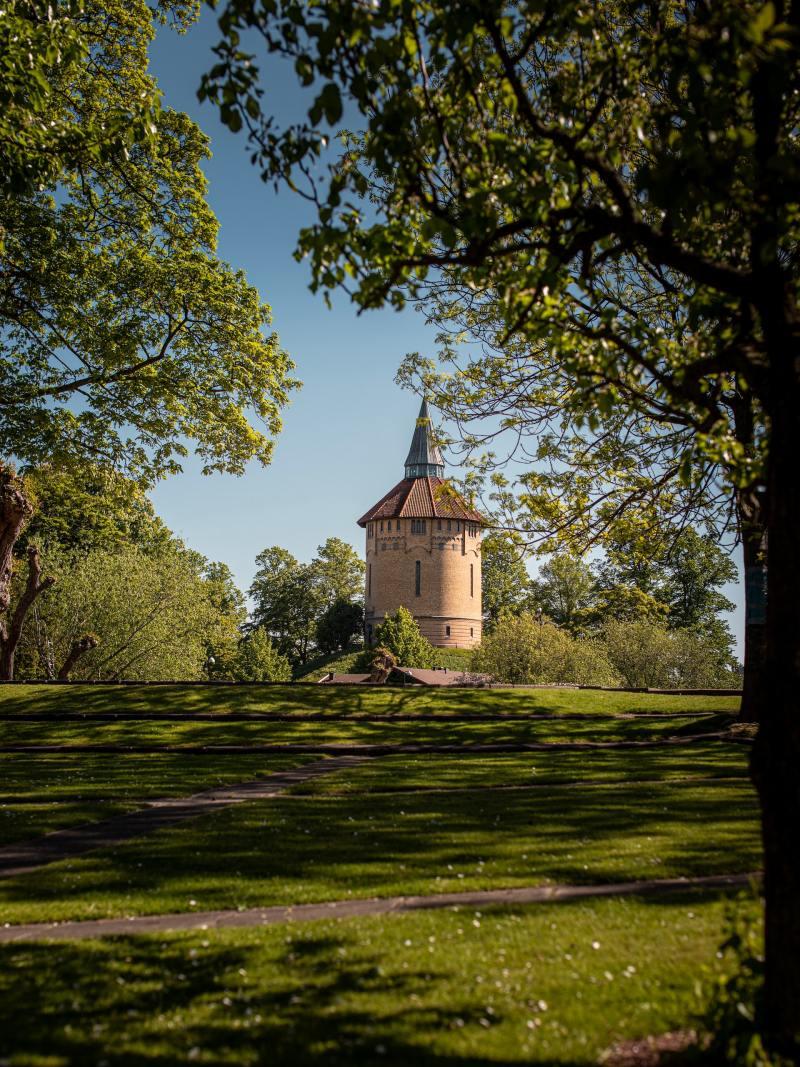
{"x": 424, "y": 551}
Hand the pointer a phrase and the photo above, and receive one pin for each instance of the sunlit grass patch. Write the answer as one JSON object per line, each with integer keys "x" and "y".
{"x": 550, "y": 984}
{"x": 349, "y": 700}
{"x": 406, "y": 773}
{"x": 356, "y": 731}
{"x": 293, "y": 849}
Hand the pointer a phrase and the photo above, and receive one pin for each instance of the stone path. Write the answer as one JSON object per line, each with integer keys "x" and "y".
{"x": 345, "y": 909}
{"x": 62, "y": 844}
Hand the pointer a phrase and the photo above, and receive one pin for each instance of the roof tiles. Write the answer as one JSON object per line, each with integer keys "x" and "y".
{"x": 421, "y": 498}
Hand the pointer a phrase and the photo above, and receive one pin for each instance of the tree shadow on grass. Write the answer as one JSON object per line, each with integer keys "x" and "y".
{"x": 287, "y": 851}
{"x": 133, "y": 1001}
{"x": 351, "y": 700}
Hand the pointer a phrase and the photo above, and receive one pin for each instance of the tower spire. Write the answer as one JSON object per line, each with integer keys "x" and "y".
{"x": 424, "y": 460}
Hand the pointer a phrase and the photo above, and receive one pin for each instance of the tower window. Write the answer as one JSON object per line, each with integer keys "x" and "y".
{"x": 449, "y": 524}
{"x": 447, "y": 631}
{"x": 472, "y": 579}
{"x": 458, "y": 527}
{"x": 381, "y": 527}
{"x": 471, "y": 631}
{"x": 438, "y": 524}
{"x": 369, "y": 580}
{"x": 417, "y": 577}
{"x": 418, "y": 526}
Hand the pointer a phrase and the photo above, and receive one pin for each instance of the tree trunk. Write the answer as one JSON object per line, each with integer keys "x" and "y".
{"x": 751, "y": 507}
{"x": 11, "y": 631}
{"x": 776, "y": 752}
{"x": 79, "y": 648}
{"x": 15, "y": 510}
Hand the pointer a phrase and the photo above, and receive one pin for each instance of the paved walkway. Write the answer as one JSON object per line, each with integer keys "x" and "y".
{"x": 346, "y": 909}
{"x": 62, "y": 844}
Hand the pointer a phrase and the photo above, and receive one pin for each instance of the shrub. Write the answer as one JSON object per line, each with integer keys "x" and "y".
{"x": 257, "y": 660}
{"x": 731, "y": 1027}
{"x": 401, "y": 636}
{"x": 521, "y": 650}
{"x": 647, "y": 655}
{"x": 588, "y": 664}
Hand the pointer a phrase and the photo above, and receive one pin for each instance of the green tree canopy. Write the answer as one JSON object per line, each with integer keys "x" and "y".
{"x": 564, "y": 590}
{"x": 90, "y": 508}
{"x": 153, "y": 616}
{"x": 400, "y": 634}
{"x": 123, "y": 337}
{"x": 523, "y": 649}
{"x": 257, "y": 660}
{"x": 290, "y": 598}
{"x": 338, "y": 625}
{"x": 340, "y": 571}
{"x": 548, "y": 154}
{"x": 505, "y": 582}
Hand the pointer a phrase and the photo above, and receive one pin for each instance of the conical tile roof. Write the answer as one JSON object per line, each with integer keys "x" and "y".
{"x": 423, "y": 493}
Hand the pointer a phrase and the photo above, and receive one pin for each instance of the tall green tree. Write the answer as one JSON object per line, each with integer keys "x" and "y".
{"x": 287, "y": 600}
{"x": 564, "y": 590}
{"x": 124, "y": 339}
{"x": 291, "y": 598}
{"x": 150, "y": 617}
{"x": 546, "y": 153}
{"x": 340, "y": 571}
{"x": 338, "y": 625}
{"x": 505, "y": 582}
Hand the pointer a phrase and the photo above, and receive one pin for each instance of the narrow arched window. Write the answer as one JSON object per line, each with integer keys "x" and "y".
{"x": 417, "y": 577}
{"x": 472, "y": 579}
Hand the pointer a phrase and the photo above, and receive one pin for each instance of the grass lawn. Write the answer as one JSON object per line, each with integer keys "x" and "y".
{"x": 399, "y": 774}
{"x": 316, "y": 848}
{"x": 62, "y": 777}
{"x": 554, "y": 984}
{"x": 50, "y": 792}
{"x": 547, "y": 984}
{"x": 349, "y": 700}
{"x": 157, "y": 733}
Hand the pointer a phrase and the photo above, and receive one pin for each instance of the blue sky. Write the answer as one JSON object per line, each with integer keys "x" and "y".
{"x": 347, "y": 431}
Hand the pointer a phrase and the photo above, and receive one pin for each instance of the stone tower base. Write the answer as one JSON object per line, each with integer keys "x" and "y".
{"x": 463, "y": 633}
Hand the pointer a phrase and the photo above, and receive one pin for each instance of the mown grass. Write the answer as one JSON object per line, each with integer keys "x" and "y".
{"x": 291, "y": 850}
{"x": 553, "y": 984}
{"x": 154, "y": 733}
{"x": 407, "y": 773}
{"x": 58, "y": 777}
{"x": 21, "y": 822}
{"x": 42, "y": 793}
{"x": 350, "y": 700}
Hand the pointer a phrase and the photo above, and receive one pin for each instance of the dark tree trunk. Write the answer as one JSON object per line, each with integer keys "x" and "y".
{"x": 15, "y": 510}
{"x": 79, "y": 648}
{"x": 11, "y": 630}
{"x": 751, "y": 507}
{"x": 776, "y": 753}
